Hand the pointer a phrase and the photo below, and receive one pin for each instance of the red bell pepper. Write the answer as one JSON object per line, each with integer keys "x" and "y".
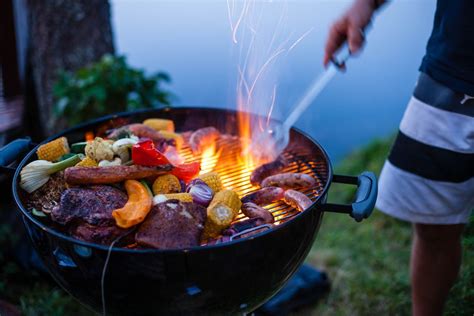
{"x": 186, "y": 171}
{"x": 144, "y": 153}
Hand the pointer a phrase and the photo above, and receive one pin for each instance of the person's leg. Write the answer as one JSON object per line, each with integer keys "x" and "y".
{"x": 435, "y": 262}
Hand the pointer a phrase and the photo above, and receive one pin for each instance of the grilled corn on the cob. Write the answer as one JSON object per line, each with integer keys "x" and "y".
{"x": 87, "y": 162}
{"x": 221, "y": 212}
{"x": 165, "y": 184}
{"x": 228, "y": 198}
{"x": 213, "y": 180}
{"x": 179, "y": 140}
{"x": 53, "y": 150}
{"x": 183, "y": 197}
{"x": 160, "y": 124}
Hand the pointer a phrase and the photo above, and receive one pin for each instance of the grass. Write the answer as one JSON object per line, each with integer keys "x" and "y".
{"x": 367, "y": 262}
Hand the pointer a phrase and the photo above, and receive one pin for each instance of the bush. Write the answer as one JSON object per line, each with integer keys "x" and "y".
{"x": 105, "y": 87}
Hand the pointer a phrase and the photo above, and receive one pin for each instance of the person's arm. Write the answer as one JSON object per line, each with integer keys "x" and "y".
{"x": 350, "y": 26}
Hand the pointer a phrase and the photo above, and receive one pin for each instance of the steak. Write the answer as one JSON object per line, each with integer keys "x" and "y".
{"x": 172, "y": 224}
{"x": 104, "y": 235}
{"x": 93, "y": 205}
{"x": 87, "y": 212}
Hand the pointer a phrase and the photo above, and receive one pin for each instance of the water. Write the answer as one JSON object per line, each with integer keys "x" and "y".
{"x": 192, "y": 41}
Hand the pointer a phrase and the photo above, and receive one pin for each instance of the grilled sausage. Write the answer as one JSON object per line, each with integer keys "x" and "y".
{"x": 297, "y": 200}
{"x": 289, "y": 180}
{"x": 252, "y": 210}
{"x": 268, "y": 169}
{"x": 264, "y": 196}
{"x": 203, "y": 138}
{"x": 112, "y": 174}
{"x": 139, "y": 130}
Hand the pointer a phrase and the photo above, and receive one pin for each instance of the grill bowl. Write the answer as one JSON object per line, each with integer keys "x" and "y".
{"x": 229, "y": 278}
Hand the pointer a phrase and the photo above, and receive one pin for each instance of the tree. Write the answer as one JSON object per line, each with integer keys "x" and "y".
{"x": 63, "y": 35}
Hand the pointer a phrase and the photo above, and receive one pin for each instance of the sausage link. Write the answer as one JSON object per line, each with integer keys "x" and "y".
{"x": 111, "y": 174}
{"x": 264, "y": 196}
{"x": 297, "y": 200}
{"x": 268, "y": 169}
{"x": 252, "y": 210}
{"x": 289, "y": 180}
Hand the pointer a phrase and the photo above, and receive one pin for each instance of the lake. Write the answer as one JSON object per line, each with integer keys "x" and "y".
{"x": 192, "y": 41}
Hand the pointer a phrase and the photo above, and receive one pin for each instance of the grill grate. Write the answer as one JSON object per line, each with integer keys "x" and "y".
{"x": 235, "y": 175}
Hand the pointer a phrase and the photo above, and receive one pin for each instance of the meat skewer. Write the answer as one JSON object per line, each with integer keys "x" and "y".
{"x": 112, "y": 174}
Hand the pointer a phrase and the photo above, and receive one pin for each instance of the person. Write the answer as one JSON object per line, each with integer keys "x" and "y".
{"x": 428, "y": 178}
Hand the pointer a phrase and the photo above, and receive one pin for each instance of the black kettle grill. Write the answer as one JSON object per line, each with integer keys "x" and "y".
{"x": 232, "y": 278}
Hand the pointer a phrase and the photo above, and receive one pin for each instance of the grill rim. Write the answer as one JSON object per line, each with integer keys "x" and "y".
{"x": 103, "y": 119}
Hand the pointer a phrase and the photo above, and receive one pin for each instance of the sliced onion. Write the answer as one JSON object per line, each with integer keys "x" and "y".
{"x": 202, "y": 194}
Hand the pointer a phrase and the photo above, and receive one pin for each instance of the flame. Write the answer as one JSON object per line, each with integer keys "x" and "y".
{"x": 209, "y": 159}
{"x": 262, "y": 40}
{"x": 89, "y": 136}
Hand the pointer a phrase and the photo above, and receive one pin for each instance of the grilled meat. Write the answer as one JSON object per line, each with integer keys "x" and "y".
{"x": 103, "y": 235}
{"x": 111, "y": 174}
{"x": 289, "y": 180}
{"x": 268, "y": 169}
{"x": 252, "y": 210}
{"x": 203, "y": 138}
{"x": 93, "y": 204}
{"x": 87, "y": 213}
{"x": 297, "y": 200}
{"x": 264, "y": 196}
{"x": 172, "y": 224}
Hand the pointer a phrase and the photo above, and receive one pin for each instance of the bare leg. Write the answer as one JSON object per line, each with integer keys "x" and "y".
{"x": 435, "y": 262}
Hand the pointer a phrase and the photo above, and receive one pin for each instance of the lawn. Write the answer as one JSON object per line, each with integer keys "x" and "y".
{"x": 367, "y": 262}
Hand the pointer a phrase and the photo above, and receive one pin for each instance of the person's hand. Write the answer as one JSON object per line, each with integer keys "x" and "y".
{"x": 350, "y": 26}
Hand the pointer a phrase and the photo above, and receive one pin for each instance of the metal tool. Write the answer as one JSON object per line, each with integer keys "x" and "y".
{"x": 266, "y": 146}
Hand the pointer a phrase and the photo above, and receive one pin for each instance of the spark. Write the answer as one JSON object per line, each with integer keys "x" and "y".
{"x": 262, "y": 69}
{"x": 300, "y": 39}
{"x": 271, "y": 106}
{"x": 239, "y": 20}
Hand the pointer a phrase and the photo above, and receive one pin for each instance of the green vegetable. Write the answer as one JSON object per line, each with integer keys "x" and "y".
{"x": 35, "y": 174}
{"x": 146, "y": 186}
{"x": 66, "y": 156}
{"x": 78, "y": 148}
{"x": 35, "y": 212}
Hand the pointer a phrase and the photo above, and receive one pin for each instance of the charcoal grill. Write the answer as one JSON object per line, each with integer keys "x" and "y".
{"x": 232, "y": 278}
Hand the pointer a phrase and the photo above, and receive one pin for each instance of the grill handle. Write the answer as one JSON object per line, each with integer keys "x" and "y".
{"x": 11, "y": 152}
{"x": 365, "y": 197}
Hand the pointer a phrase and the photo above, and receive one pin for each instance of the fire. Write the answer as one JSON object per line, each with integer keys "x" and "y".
{"x": 262, "y": 41}
{"x": 89, "y": 136}
{"x": 209, "y": 159}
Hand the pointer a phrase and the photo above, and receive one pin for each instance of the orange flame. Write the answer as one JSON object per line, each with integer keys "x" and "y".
{"x": 209, "y": 159}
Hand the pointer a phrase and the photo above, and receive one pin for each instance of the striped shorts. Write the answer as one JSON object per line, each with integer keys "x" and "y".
{"x": 428, "y": 177}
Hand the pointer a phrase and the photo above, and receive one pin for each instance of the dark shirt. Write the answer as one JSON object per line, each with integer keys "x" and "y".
{"x": 449, "y": 55}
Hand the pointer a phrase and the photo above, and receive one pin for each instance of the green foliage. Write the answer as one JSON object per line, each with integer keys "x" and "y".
{"x": 43, "y": 299}
{"x": 105, "y": 87}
